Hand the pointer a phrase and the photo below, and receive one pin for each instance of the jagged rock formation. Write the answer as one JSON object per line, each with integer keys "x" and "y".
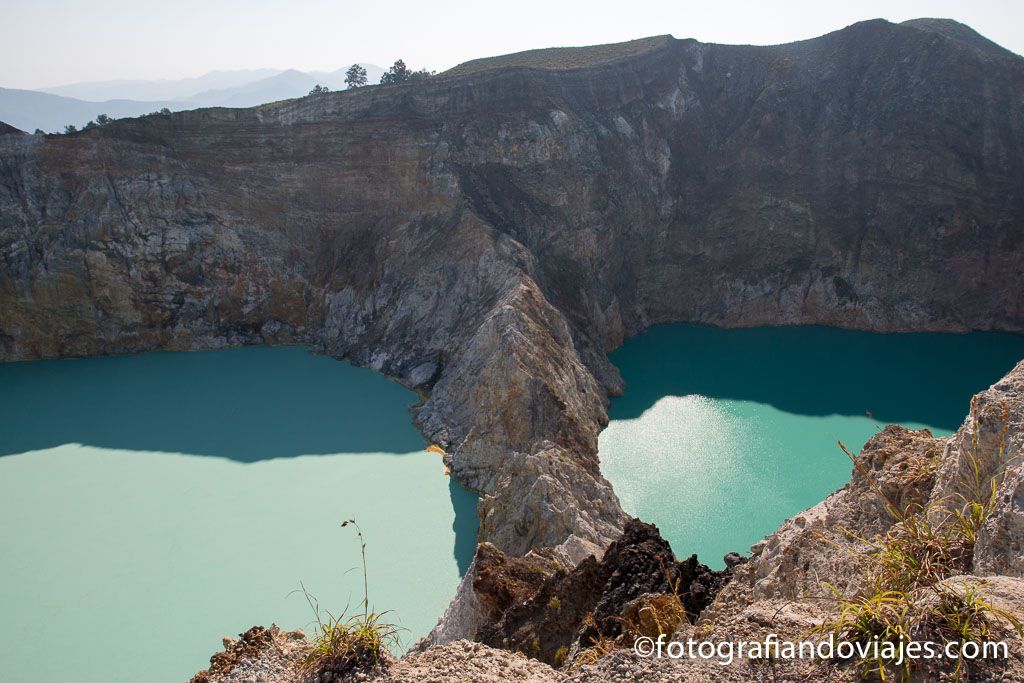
{"x": 569, "y": 610}
{"x": 909, "y": 468}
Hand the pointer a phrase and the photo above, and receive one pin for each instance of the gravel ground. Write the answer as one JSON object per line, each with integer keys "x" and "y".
{"x": 272, "y": 656}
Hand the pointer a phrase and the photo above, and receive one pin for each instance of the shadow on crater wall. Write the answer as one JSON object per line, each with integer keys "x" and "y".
{"x": 465, "y": 525}
{"x": 811, "y": 370}
{"x": 245, "y": 404}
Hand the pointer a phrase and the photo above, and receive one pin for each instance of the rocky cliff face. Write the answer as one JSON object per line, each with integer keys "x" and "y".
{"x": 488, "y": 235}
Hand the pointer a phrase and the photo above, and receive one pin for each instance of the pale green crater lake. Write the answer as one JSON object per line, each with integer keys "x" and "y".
{"x": 721, "y": 434}
{"x": 151, "y": 504}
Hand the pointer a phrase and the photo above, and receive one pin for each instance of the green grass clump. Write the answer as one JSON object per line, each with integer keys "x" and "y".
{"x": 349, "y": 643}
{"x": 941, "y": 614}
{"x": 342, "y": 645}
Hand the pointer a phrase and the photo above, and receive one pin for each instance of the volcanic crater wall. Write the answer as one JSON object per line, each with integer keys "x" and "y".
{"x": 488, "y": 235}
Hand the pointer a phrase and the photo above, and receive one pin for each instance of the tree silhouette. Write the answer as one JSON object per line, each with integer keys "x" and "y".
{"x": 398, "y": 73}
{"x": 355, "y": 77}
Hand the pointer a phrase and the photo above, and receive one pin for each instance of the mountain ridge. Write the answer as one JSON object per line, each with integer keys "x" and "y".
{"x": 963, "y": 33}
{"x": 50, "y": 110}
{"x": 544, "y": 59}
{"x": 161, "y": 89}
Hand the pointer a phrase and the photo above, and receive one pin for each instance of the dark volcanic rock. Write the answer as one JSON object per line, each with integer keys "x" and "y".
{"x": 734, "y": 559}
{"x": 501, "y": 581}
{"x": 577, "y": 606}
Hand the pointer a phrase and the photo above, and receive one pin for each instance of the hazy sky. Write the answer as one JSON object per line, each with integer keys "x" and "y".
{"x": 54, "y": 42}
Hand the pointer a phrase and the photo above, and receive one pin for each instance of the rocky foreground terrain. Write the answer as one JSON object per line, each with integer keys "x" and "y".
{"x": 488, "y": 235}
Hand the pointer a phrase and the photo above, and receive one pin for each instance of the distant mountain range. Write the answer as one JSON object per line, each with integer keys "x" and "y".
{"x": 50, "y": 109}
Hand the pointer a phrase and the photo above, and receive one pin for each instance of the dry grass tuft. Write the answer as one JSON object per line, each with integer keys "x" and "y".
{"x": 905, "y": 599}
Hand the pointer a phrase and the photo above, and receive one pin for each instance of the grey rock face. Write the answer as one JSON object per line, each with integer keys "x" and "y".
{"x": 532, "y": 502}
{"x": 987, "y": 450}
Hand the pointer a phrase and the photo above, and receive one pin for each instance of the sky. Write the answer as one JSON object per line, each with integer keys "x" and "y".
{"x": 46, "y": 43}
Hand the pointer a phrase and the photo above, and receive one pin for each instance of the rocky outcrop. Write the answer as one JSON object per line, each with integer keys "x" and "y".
{"x": 493, "y": 583}
{"x": 266, "y": 654}
{"x": 907, "y": 470}
{"x": 986, "y": 455}
{"x": 502, "y": 581}
{"x": 572, "y": 609}
{"x": 789, "y": 573}
{"x": 535, "y": 500}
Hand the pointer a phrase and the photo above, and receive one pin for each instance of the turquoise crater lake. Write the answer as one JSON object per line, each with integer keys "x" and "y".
{"x": 151, "y": 504}
{"x": 722, "y": 434}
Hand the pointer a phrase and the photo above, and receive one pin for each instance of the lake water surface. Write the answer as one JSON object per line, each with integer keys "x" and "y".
{"x": 151, "y": 504}
{"x": 722, "y": 434}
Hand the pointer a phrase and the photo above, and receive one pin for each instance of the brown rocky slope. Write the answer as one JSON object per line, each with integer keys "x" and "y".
{"x": 488, "y": 235}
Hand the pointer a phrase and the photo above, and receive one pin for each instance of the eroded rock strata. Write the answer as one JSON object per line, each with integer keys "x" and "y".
{"x": 487, "y": 236}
